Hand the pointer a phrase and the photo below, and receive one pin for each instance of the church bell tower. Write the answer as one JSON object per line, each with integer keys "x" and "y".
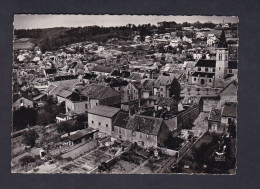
{"x": 221, "y": 60}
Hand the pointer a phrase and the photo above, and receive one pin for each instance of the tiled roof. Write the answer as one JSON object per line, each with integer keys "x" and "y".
{"x": 163, "y": 81}
{"x": 167, "y": 102}
{"x": 106, "y": 111}
{"x": 121, "y": 119}
{"x": 206, "y": 63}
{"x": 96, "y": 91}
{"x": 215, "y": 115}
{"x": 135, "y": 76}
{"x": 64, "y": 93}
{"x": 229, "y": 110}
{"x": 148, "y": 84}
{"x": 145, "y": 124}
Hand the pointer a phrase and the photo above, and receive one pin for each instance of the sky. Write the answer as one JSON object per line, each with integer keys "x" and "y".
{"x": 49, "y": 21}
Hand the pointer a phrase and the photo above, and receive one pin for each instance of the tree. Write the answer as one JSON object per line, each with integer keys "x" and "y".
{"x": 173, "y": 142}
{"x": 65, "y": 127}
{"x": 44, "y": 118}
{"x": 29, "y": 137}
{"x": 24, "y": 117}
{"x": 175, "y": 90}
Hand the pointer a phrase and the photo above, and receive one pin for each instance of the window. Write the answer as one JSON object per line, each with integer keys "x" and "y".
{"x": 213, "y": 69}
{"x": 92, "y": 121}
{"x": 119, "y": 129}
{"x": 127, "y": 91}
{"x": 218, "y": 68}
{"x": 230, "y": 71}
{"x": 96, "y": 104}
{"x": 120, "y": 136}
{"x": 206, "y": 69}
{"x": 99, "y": 123}
{"x": 210, "y": 80}
{"x": 194, "y": 79}
{"x": 106, "y": 125}
{"x": 199, "y": 68}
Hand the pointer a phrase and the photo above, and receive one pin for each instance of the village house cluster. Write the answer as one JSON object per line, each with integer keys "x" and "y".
{"x": 169, "y": 87}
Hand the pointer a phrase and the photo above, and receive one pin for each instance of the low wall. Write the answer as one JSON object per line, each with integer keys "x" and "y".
{"x": 168, "y": 152}
{"x": 81, "y": 150}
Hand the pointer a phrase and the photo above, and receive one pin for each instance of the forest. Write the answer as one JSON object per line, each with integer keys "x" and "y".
{"x": 53, "y": 38}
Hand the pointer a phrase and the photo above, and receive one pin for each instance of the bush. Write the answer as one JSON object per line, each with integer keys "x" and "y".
{"x": 26, "y": 160}
{"x": 30, "y": 137}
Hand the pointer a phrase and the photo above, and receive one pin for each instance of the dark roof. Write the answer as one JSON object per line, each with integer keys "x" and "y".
{"x": 228, "y": 76}
{"x": 232, "y": 64}
{"x": 118, "y": 83}
{"x": 65, "y": 77}
{"x": 115, "y": 73}
{"x": 75, "y": 97}
{"x": 97, "y": 91}
{"x": 125, "y": 74}
{"x": 51, "y": 71}
{"x": 89, "y": 76}
{"x": 206, "y": 63}
{"x": 229, "y": 110}
{"x": 121, "y": 119}
{"x": 222, "y": 41}
{"x": 203, "y": 74}
{"x": 145, "y": 124}
{"x": 215, "y": 115}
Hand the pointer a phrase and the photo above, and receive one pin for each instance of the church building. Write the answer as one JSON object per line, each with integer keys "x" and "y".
{"x": 213, "y": 73}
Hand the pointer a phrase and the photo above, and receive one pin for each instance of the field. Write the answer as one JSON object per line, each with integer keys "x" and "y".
{"x": 23, "y": 44}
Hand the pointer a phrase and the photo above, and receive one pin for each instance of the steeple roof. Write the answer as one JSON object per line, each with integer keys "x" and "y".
{"x": 222, "y": 41}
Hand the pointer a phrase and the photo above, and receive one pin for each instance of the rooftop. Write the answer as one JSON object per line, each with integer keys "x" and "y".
{"x": 106, "y": 111}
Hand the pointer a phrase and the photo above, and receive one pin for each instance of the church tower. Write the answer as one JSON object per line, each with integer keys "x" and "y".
{"x": 221, "y": 60}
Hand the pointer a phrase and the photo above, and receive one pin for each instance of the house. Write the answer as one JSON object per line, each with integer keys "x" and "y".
{"x": 62, "y": 95}
{"x": 102, "y": 118}
{"x": 20, "y": 101}
{"x": 211, "y": 39}
{"x": 98, "y": 94}
{"x": 147, "y": 88}
{"x": 76, "y": 103}
{"x": 229, "y": 93}
{"x": 214, "y": 121}
{"x": 146, "y": 131}
{"x": 50, "y": 72}
{"x": 101, "y": 70}
{"x": 229, "y": 113}
{"x": 166, "y": 86}
{"x": 131, "y": 92}
{"x": 83, "y": 135}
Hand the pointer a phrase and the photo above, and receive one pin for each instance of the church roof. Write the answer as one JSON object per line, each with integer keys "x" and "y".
{"x": 222, "y": 41}
{"x": 206, "y": 63}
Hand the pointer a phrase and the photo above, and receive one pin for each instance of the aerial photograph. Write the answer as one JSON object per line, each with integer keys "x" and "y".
{"x": 124, "y": 94}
